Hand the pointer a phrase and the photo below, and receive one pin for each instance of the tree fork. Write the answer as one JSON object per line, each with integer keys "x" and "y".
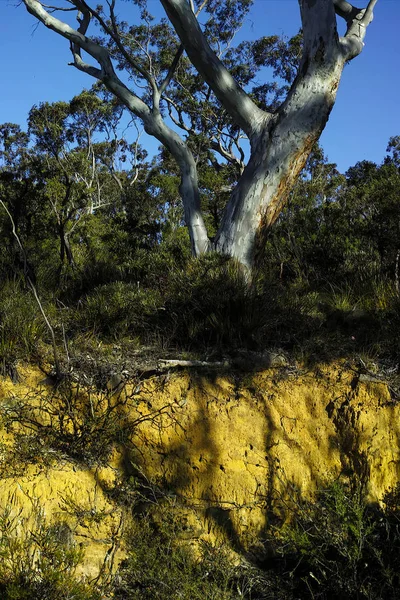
{"x": 280, "y": 143}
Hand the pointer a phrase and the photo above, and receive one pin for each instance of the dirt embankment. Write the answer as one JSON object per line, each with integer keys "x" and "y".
{"x": 226, "y": 449}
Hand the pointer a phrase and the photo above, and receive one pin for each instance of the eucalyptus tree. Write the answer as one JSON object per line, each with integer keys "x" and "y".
{"x": 372, "y": 198}
{"x": 394, "y": 151}
{"x": 15, "y": 180}
{"x": 281, "y": 136}
{"x": 302, "y": 244}
{"x": 18, "y": 192}
{"x": 82, "y": 166}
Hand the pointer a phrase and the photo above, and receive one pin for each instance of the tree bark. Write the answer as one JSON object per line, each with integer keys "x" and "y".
{"x": 278, "y": 155}
{"x": 235, "y": 100}
{"x": 188, "y": 189}
{"x": 280, "y": 143}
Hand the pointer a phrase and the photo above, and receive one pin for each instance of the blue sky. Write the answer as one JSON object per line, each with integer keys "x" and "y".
{"x": 34, "y": 69}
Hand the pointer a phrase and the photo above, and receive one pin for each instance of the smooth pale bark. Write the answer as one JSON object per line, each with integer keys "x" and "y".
{"x": 278, "y": 155}
{"x": 237, "y": 103}
{"x": 280, "y": 143}
{"x": 280, "y": 150}
{"x": 189, "y": 191}
{"x": 188, "y": 188}
{"x": 151, "y": 117}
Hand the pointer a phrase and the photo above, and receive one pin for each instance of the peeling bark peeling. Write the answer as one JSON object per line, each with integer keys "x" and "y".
{"x": 280, "y": 143}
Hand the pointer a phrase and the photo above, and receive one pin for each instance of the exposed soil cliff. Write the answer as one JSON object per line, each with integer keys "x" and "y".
{"x": 227, "y": 449}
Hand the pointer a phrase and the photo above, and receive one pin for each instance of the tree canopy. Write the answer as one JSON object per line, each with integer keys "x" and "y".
{"x": 198, "y": 95}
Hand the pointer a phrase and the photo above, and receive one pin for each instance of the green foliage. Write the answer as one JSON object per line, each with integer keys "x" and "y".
{"x": 38, "y": 561}
{"x": 336, "y": 230}
{"x": 341, "y": 298}
{"x": 340, "y": 547}
{"x": 162, "y": 565}
{"x": 106, "y": 244}
{"x": 109, "y": 254}
{"x": 335, "y": 546}
{"x": 210, "y": 304}
{"x": 117, "y": 309}
{"x": 21, "y": 325}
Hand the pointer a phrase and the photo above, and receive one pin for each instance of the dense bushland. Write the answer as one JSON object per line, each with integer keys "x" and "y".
{"x": 101, "y": 237}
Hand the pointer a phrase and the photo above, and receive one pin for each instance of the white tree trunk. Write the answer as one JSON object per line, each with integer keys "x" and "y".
{"x": 280, "y": 143}
{"x": 189, "y": 192}
{"x": 278, "y": 155}
{"x": 188, "y": 189}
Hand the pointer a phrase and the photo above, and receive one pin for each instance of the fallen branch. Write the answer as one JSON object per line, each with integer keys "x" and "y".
{"x": 247, "y": 361}
{"x": 170, "y": 364}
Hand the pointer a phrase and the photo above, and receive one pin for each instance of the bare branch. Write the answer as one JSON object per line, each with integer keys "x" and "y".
{"x": 368, "y": 15}
{"x": 344, "y": 9}
{"x": 171, "y": 70}
{"x": 106, "y": 73}
{"x": 353, "y": 42}
{"x": 114, "y": 34}
{"x": 230, "y": 157}
{"x": 179, "y": 122}
{"x": 135, "y": 163}
{"x": 236, "y": 102}
{"x": 215, "y": 144}
{"x": 100, "y": 54}
{"x": 80, "y": 64}
{"x": 58, "y": 8}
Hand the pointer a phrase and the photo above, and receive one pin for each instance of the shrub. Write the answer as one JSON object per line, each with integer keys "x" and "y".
{"x": 117, "y": 309}
{"x": 340, "y": 547}
{"x": 161, "y": 566}
{"x": 21, "y": 325}
{"x": 212, "y": 304}
{"x": 39, "y": 561}
{"x": 82, "y": 423}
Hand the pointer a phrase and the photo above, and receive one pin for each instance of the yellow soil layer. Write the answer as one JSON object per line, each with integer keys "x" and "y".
{"x": 64, "y": 493}
{"x": 225, "y": 449}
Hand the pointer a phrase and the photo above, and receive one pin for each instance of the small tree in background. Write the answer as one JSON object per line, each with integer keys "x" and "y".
{"x": 281, "y": 135}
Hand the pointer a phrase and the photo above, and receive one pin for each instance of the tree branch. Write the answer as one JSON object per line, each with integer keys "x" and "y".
{"x": 353, "y": 42}
{"x": 114, "y": 35}
{"x": 152, "y": 119}
{"x": 80, "y": 64}
{"x": 179, "y": 121}
{"x": 344, "y": 9}
{"x": 171, "y": 71}
{"x": 230, "y": 157}
{"x": 100, "y": 54}
{"x": 320, "y": 38}
{"x": 215, "y": 144}
{"x": 235, "y": 101}
{"x": 369, "y": 15}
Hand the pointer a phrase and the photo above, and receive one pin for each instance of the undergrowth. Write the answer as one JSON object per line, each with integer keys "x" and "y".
{"x": 335, "y": 547}
{"x": 208, "y": 307}
{"x": 340, "y": 546}
{"x": 38, "y": 561}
